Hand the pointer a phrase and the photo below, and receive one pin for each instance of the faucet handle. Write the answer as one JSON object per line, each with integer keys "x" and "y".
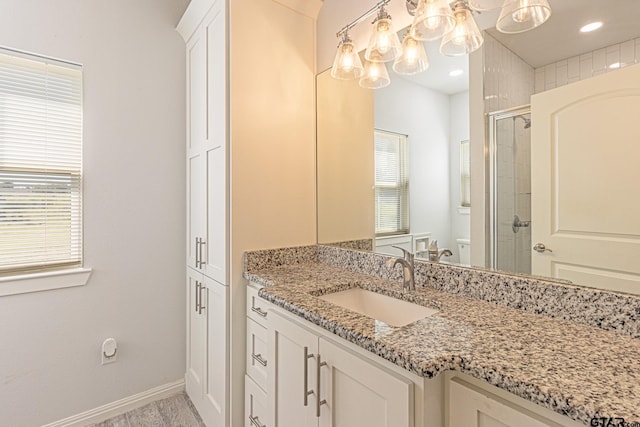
{"x": 408, "y": 255}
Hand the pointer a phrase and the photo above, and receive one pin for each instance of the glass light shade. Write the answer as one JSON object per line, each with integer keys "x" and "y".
{"x": 484, "y": 5}
{"x": 412, "y": 59}
{"x": 433, "y": 19}
{"x": 518, "y": 16}
{"x": 347, "y": 64}
{"x": 384, "y": 44}
{"x": 465, "y": 36}
{"x": 375, "y": 75}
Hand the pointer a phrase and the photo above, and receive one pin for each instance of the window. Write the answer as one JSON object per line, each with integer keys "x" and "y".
{"x": 40, "y": 164}
{"x": 465, "y": 175}
{"x": 392, "y": 184}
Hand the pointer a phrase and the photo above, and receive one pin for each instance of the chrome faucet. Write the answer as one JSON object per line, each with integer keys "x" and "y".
{"x": 434, "y": 255}
{"x": 408, "y": 283}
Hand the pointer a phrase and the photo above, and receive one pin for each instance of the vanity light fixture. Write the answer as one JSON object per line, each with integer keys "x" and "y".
{"x": 384, "y": 44}
{"x": 347, "y": 64}
{"x": 451, "y": 20}
{"x": 433, "y": 19}
{"x": 518, "y": 16}
{"x": 413, "y": 58}
{"x": 465, "y": 36}
{"x": 375, "y": 75}
{"x": 592, "y": 26}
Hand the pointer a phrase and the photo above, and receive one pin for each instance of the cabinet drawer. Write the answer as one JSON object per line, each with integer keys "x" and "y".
{"x": 256, "y": 306}
{"x": 255, "y": 404}
{"x": 257, "y": 351}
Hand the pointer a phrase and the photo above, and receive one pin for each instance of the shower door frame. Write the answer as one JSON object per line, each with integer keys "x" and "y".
{"x": 492, "y": 161}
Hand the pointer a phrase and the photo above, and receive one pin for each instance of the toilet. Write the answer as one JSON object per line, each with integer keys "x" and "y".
{"x": 464, "y": 251}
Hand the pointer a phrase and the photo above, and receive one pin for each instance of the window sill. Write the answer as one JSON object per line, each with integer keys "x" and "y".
{"x": 464, "y": 210}
{"x": 36, "y": 282}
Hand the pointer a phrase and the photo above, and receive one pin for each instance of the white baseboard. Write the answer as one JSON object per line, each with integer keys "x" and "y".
{"x": 121, "y": 406}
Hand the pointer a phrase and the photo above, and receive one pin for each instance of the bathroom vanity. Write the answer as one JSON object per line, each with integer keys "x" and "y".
{"x": 472, "y": 363}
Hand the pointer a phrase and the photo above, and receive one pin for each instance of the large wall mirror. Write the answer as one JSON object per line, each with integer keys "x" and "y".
{"x": 556, "y": 179}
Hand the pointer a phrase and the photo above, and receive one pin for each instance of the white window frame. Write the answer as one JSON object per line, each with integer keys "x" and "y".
{"x": 402, "y": 185}
{"x": 59, "y": 272}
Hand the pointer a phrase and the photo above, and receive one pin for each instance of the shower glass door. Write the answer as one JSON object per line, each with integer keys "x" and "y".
{"x": 510, "y": 190}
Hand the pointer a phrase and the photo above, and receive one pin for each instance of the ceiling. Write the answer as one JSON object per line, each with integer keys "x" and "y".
{"x": 556, "y": 39}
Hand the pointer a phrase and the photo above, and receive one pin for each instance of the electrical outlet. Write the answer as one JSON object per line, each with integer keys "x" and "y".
{"x": 109, "y": 351}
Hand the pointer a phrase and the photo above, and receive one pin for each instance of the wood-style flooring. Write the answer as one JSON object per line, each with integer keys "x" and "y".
{"x": 174, "y": 411}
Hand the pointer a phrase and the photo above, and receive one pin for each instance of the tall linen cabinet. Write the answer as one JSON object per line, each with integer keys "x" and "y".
{"x": 250, "y": 157}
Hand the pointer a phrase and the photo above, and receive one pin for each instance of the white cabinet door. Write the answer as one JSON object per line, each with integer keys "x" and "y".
{"x": 353, "y": 392}
{"x": 292, "y": 357}
{"x": 215, "y": 386}
{"x": 196, "y": 338}
{"x": 361, "y": 394}
{"x": 470, "y": 407}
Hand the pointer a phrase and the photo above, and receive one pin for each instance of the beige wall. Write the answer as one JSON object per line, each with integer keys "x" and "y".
{"x": 345, "y": 160}
{"x": 272, "y": 144}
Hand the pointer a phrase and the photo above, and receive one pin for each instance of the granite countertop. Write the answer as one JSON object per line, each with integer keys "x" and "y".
{"x": 576, "y": 370}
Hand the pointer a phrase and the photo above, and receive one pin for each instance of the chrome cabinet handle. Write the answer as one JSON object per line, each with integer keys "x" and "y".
{"x": 255, "y": 421}
{"x": 202, "y": 307}
{"x": 202, "y": 262}
{"x": 197, "y": 252}
{"x": 541, "y": 248}
{"x": 319, "y": 402}
{"x": 307, "y": 356}
{"x": 258, "y": 358}
{"x": 198, "y": 297}
{"x": 258, "y": 311}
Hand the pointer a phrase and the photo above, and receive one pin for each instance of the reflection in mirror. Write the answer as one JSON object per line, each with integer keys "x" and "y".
{"x": 576, "y": 205}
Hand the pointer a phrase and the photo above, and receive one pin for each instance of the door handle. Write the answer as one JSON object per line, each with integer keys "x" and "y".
{"x": 258, "y": 358}
{"x": 255, "y": 421}
{"x": 307, "y": 356}
{"x": 197, "y": 252}
{"x": 541, "y": 248}
{"x": 202, "y": 243}
{"x": 198, "y": 297}
{"x": 319, "y": 402}
{"x": 202, "y": 307}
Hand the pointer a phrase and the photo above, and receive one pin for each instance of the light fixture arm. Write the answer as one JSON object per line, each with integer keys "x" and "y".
{"x": 362, "y": 17}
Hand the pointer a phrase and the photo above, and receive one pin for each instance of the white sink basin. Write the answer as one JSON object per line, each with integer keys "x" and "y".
{"x": 389, "y": 310}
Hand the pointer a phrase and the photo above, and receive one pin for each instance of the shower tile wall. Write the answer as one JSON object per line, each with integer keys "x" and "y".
{"x": 587, "y": 65}
{"x": 514, "y": 189}
{"x": 508, "y": 80}
{"x": 508, "y": 83}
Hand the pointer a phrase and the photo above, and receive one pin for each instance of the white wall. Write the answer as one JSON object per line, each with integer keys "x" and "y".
{"x": 134, "y": 121}
{"x": 459, "y": 131}
{"x": 423, "y": 115}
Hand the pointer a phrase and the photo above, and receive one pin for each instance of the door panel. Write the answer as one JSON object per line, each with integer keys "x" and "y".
{"x": 469, "y": 407}
{"x": 216, "y": 383}
{"x": 196, "y": 340}
{"x": 584, "y": 181}
{"x": 360, "y": 394}
{"x": 286, "y": 373}
{"x": 196, "y": 205}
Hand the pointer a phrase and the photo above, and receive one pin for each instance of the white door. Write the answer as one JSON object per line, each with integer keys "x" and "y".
{"x": 196, "y": 338}
{"x": 214, "y": 401}
{"x": 585, "y": 148}
{"x": 292, "y": 371}
{"x": 469, "y": 407}
{"x": 360, "y": 394}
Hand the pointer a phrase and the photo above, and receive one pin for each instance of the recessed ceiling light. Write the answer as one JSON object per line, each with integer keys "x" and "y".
{"x": 591, "y": 27}
{"x": 615, "y": 65}
{"x": 456, "y": 73}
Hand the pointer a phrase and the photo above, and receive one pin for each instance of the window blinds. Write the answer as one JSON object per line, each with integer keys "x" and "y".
{"x": 391, "y": 183}
{"x": 40, "y": 163}
{"x": 465, "y": 175}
